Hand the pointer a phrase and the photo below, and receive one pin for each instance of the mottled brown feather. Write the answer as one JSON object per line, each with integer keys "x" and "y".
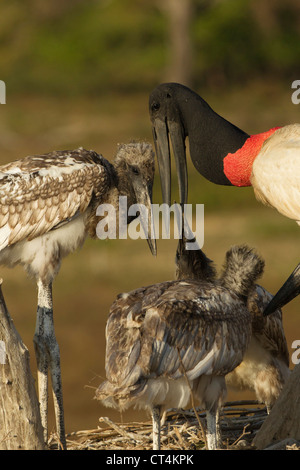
{"x": 268, "y": 330}
{"x": 39, "y": 192}
{"x": 146, "y": 329}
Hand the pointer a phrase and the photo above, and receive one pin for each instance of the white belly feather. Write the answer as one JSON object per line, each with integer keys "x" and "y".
{"x": 276, "y": 172}
{"x": 41, "y": 256}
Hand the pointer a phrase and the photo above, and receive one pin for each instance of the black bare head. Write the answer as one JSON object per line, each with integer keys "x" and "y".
{"x": 134, "y": 166}
{"x": 178, "y": 112}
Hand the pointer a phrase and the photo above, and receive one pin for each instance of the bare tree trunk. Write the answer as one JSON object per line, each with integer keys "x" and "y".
{"x": 179, "y": 13}
{"x": 20, "y": 422}
{"x": 284, "y": 420}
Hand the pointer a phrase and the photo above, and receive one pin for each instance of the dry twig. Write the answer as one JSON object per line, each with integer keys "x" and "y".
{"x": 238, "y": 420}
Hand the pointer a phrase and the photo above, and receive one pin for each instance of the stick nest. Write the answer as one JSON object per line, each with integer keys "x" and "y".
{"x": 182, "y": 430}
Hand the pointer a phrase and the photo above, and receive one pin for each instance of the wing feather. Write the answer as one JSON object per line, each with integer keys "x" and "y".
{"x": 268, "y": 330}
{"x": 40, "y": 192}
{"x": 210, "y": 336}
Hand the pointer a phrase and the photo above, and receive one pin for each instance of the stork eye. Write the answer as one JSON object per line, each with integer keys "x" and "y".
{"x": 155, "y": 106}
{"x": 135, "y": 170}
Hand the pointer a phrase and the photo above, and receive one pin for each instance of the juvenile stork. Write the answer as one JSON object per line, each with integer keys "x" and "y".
{"x": 166, "y": 339}
{"x": 48, "y": 208}
{"x": 265, "y": 365}
{"x": 226, "y": 155}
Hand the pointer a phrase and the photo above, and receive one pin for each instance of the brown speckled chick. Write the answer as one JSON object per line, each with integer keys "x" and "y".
{"x": 47, "y": 209}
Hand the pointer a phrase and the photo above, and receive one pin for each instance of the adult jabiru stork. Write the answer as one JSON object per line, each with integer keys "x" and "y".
{"x": 226, "y": 155}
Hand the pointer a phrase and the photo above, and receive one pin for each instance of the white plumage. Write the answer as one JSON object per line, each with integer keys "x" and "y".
{"x": 47, "y": 209}
{"x": 276, "y": 182}
{"x": 276, "y": 171}
{"x": 199, "y": 328}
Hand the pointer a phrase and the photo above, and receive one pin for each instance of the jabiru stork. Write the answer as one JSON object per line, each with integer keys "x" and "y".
{"x": 226, "y": 155}
{"x": 48, "y": 207}
{"x": 168, "y": 340}
{"x": 265, "y": 366}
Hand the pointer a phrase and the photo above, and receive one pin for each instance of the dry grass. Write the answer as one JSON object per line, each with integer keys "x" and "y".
{"x": 239, "y": 422}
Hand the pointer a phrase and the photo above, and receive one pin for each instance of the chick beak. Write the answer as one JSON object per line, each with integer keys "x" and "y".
{"x": 143, "y": 194}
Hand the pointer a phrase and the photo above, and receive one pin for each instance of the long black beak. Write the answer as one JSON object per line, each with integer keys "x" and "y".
{"x": 161, "y": 132}
{"x": 289, "y": 290}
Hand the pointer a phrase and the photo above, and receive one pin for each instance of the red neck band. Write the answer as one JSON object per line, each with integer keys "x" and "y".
{"x": 238, "y": 165}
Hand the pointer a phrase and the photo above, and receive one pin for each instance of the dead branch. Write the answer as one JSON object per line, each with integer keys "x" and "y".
{"x": 20, "y": 422}
{"x": 284, "y": 419}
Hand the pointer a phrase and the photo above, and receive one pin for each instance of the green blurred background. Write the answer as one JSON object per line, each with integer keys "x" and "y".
{"x": 79, "y": 73}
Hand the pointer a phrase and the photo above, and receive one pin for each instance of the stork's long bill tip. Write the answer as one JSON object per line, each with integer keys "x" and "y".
{"x": 289, "y": 290}
{"x": 152, "y": 246}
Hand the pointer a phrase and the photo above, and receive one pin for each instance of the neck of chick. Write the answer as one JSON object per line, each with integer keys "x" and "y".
{"x": 194, "y": 264}
{"x": 121, "y": 186}
{"x": 110, "y": 197}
